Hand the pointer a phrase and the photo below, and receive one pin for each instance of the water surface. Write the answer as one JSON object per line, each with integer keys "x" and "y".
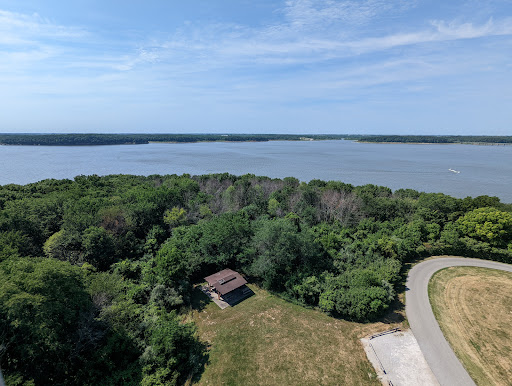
{"x": 483, "y": 169}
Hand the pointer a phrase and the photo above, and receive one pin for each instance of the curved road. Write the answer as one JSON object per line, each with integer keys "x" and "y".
{"x": 438, "y": 353}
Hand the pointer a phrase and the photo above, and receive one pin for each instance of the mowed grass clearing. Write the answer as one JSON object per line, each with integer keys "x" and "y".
{"x": 265, "y": 340}
{"x": 474, "y": 309}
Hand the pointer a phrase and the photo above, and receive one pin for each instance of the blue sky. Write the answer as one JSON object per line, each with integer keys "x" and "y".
{"x": 296, "y": 66}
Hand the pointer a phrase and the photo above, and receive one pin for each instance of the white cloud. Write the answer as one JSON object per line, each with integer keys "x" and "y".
{"x": 311, "y": 32}
{"x": 17, "y": 28}
{"x": 218, "y": 47}
{"x": 320, "y": 14}
{"x": 36, "y": 45}
{"x": 455, "y": 30}
{"x": 442, "y": 31}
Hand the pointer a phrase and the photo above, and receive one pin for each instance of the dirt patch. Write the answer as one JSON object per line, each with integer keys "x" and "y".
{"x": 474, "y": 309}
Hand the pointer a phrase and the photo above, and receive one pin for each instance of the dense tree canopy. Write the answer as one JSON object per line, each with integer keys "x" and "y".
{"x": 119, "y": 139}
{"x": 487, "y": 225}
{"x": 433, "y": 138}
{"x": 96, "y": 273}
{"x": 41, "y": 303}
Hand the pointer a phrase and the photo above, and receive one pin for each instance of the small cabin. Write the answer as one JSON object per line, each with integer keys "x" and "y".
{"x": 229, "y": 286}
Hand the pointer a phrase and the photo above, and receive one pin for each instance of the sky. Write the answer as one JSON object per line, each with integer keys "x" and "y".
{"x": 256, "y": 66}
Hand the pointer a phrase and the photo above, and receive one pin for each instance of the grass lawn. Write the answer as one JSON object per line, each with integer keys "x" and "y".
{"x": 474, "y": 309}
{"x": 265, "y": 340}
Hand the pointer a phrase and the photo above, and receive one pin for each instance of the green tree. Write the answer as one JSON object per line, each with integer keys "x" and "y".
{"x": 170, "y": 265}
{"x": 357, "y": 294}
{"x": 98, "y": 247}
{"x": 488, "y": 225}
{"x": 172, "y": 353}
{"x": 175, "y": 217}
{"x": 11, "y": 244}
{"x": 273, "y": 206}
{"x": 41, "y": 303}
{"x": 281, "y": 252}
{"x": 64, "y": 245}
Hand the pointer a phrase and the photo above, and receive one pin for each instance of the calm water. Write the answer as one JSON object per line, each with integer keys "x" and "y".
{"x": 483, "y": 169}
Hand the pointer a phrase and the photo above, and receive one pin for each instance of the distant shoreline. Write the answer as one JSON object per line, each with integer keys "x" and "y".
{"x": 144, "y": 139}
{"x": 167, "y": 142}
{"x": 439, "y": 143}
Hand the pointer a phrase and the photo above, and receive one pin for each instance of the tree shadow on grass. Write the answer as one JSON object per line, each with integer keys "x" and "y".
{"x": 395, "y": 313}
{"x": 202, "y": 360}
{"x": 198, "y": 299}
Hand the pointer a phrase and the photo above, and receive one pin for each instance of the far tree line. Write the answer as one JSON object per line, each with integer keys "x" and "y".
{"x": 472, "y": 139}
{"x": 138, "y": 139}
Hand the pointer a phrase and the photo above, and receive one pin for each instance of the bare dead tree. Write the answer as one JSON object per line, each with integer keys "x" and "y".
{"x": 339, "y": 206}
{"x": 293, "y": 200}
{"x": 267, "y": 186}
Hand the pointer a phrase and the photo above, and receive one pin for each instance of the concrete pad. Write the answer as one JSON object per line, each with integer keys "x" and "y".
{"x": 397, "y": 358}
{"x": 221, "y": 303}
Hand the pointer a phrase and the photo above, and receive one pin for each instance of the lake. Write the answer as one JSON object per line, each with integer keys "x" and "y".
{"x": 483, "y": 169}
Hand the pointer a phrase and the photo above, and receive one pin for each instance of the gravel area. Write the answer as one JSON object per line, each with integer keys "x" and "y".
{"x": 397, "y": 358}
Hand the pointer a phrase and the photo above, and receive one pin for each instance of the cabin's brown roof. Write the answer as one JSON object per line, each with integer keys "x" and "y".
{"x": 226, "y": 281}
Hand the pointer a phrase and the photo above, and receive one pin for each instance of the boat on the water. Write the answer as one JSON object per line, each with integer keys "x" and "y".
{"x": 454, "y": 171}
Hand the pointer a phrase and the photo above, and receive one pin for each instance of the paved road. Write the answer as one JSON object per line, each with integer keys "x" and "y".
{"x": 438, "y": 353}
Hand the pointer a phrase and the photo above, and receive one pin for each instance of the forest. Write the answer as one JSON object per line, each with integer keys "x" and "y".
{"x": 138, "y": 139}
{"x": 96, "y": 273}
{"x": 470, "y": 139}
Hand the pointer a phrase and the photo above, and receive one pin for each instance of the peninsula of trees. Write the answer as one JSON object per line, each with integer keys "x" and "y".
{"x": 96, "y": 273}
{"x": 135, "y": 139}
{"x": 469, "y": 139}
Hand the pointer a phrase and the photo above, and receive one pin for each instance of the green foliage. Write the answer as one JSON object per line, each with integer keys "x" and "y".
{"x": 433, "y": 138}
{"x": 155, "y": 237}
{"x": 61, "y": 324}
{"x": 51, "y": 329}
{"x": 308, "y": 291}
{"x": 356, "y": 295}
{"x": 122, "y": 251}
{"x": 172, "y": 351}
{"x": 41, "y": 305}
{"x": 273, "y": 206}
{"x": 488, "y": 225}
{"x": 175, "y": 217}
{"x": 64, "y": 245}
{"x": 279, "y": 248}
{"x": 225, "y": 238}
{"x": 165, "y": 297}
{"x": 438, "y": 208}
{"x": 121, "y": 139}
{"x": 204, "y": 248}
{"x": 98, "y": 247}
{"x": 11, "y": 244}
{"x": 481, "y": 202}
{"x": 205, "y": 211}
{"x": 171, "y": 263}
